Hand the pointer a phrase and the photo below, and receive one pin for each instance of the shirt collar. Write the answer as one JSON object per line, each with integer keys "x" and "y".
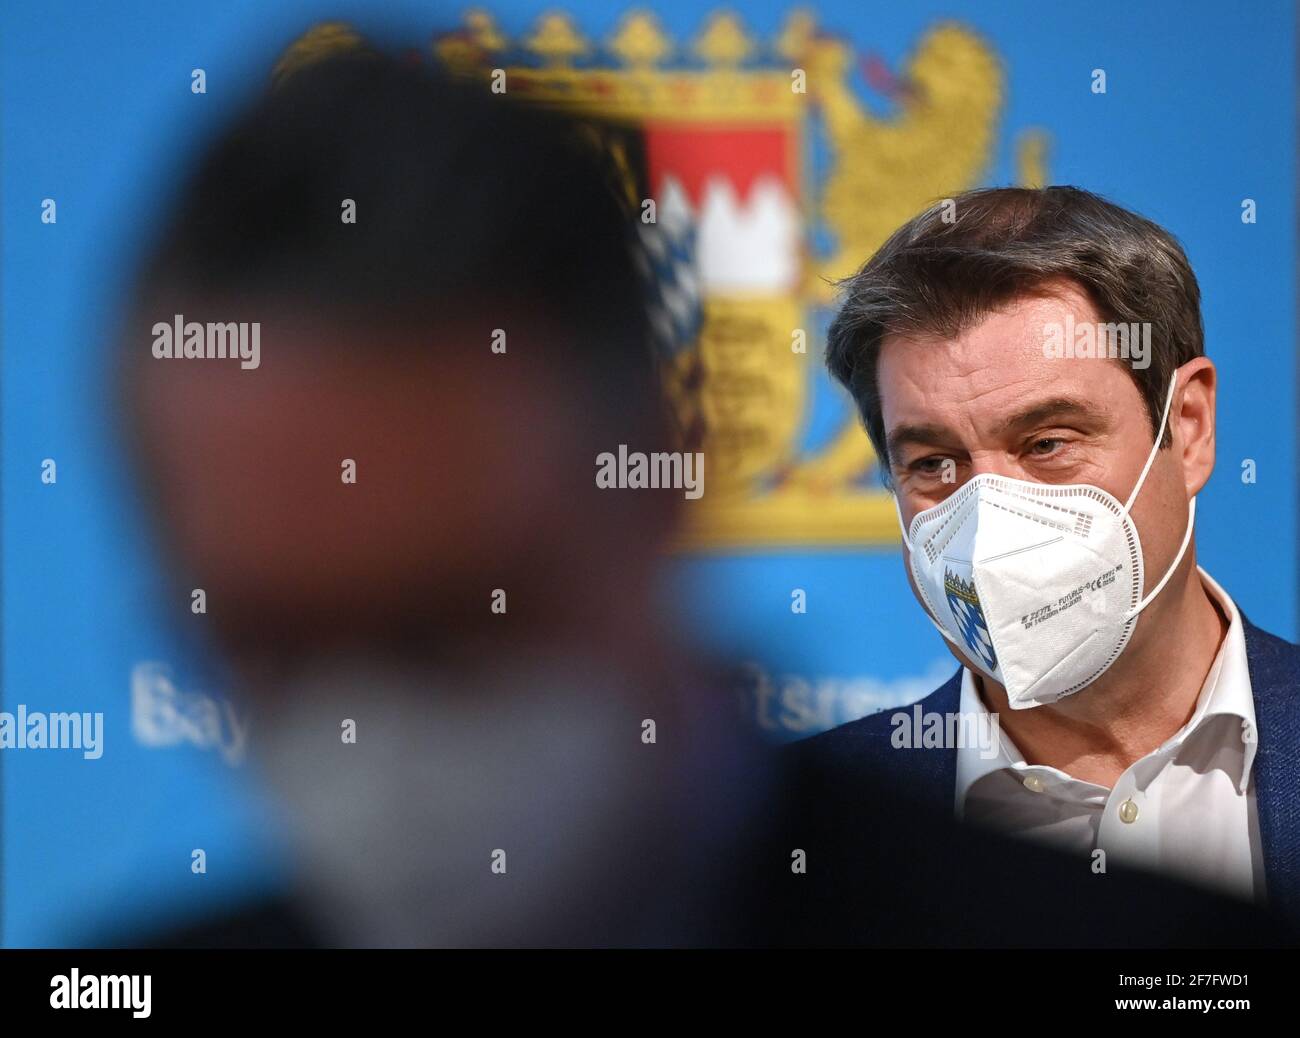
{"x": 1225, "y": 691}
{"x": 972, "y": 765}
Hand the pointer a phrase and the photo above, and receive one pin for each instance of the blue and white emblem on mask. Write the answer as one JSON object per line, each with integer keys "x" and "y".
{"x": 965, "y": 606}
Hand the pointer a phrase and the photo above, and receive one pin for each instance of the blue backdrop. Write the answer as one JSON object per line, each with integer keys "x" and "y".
{"x": 98, "y": 114}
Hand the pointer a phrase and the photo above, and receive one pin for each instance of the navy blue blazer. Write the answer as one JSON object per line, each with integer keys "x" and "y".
{"x": 856, "y": 755}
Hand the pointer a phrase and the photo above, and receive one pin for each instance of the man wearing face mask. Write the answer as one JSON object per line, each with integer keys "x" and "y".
{"x": 1030, "y": 370}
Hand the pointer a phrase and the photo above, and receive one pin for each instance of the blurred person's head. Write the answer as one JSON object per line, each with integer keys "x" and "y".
{"x": 386, "y": 226}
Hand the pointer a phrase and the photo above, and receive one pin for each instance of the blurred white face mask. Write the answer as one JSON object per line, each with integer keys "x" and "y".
{"x": 1039, "y": 586}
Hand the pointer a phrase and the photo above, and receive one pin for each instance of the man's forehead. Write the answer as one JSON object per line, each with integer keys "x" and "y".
{"x": 997, "y": 366}
{"x": 1008, "y": 336}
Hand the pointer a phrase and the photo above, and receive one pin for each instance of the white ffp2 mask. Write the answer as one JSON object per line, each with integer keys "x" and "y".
{"x": 1039, "y": 586}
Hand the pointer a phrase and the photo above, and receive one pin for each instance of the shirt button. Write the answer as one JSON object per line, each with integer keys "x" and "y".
{"x": 1034, "y": 784}
{"x": 1128, "y": 811}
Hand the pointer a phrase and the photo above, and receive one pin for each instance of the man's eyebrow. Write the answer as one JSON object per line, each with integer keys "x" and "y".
{"x": 932, "y": 435}
{"x": 1059, "y": 407}
{"x": 922, "y": 435}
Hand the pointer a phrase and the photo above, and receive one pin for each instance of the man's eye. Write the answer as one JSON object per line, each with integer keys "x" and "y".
{"x": 1047, "y": 445}
{"x": 928, "y": 466}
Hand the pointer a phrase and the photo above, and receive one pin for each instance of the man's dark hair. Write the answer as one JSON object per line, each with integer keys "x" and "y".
{"x": 953, "y": 264}
{"x": 467, "y": 203}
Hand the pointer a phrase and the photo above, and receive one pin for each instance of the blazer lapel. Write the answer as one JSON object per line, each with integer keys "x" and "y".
{"x": 936, "y": 770}
{"x": 1275, "y": 683}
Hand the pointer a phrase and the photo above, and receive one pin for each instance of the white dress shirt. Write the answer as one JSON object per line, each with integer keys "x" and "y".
{"x": 1187, "y": 809}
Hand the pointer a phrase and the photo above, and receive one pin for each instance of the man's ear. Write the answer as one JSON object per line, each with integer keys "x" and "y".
{"x": 1192, "y": 422}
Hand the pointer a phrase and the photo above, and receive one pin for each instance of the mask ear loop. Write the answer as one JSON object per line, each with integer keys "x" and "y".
{"x": 1155, "y": 447}
{"x": 1191, "y": 508}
